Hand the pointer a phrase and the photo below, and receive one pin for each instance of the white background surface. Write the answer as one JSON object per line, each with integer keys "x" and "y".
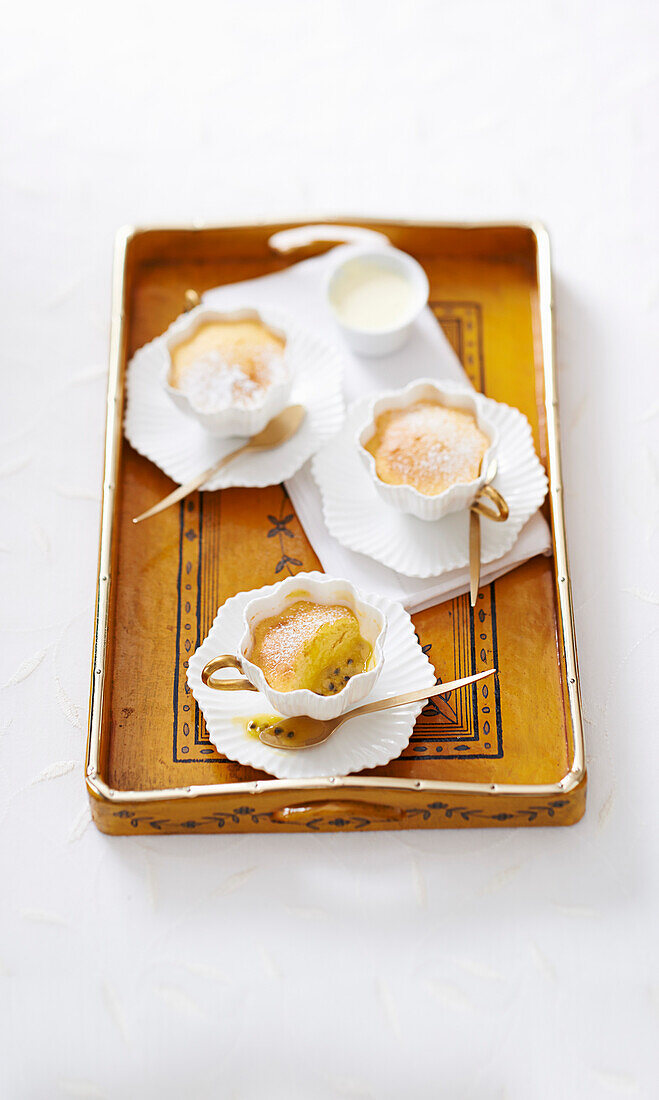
{"x": 517, "y": 964}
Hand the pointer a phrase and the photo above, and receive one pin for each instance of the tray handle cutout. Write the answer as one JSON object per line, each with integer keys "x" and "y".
{"x": 288, "y": 241}
{"x": 332, "y": 812}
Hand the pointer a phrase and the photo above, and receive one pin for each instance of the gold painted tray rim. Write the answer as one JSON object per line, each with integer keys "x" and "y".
{"x": 97, "y": 788}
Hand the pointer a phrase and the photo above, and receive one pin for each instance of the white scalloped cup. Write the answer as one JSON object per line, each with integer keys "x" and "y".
{"x": 322, "y": 590}
{"x": 405, "y": 497}
{"x": 233, "y": 419}
{"x": 384, "y": 339}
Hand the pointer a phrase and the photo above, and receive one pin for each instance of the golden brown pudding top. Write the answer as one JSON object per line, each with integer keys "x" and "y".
{"x": 310, "y": 645}
{"x": 227, "y": 363}
{"x": 428, "y": 446}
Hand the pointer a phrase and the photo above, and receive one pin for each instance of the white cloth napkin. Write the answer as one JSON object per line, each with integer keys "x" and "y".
{"x": 300, "y": 292}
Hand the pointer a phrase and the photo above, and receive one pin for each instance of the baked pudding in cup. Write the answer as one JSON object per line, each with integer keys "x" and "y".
{"x": 313, "y": 645}
{"x": 229, "y": 371}
{"x": 427, "y": 448}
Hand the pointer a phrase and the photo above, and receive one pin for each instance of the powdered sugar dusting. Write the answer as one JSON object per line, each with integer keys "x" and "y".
{"x": 279, "y": 639}
{"x": 427, "y": 446}
{"x": 281, "y": 646}
{"x": 216, "y": 381}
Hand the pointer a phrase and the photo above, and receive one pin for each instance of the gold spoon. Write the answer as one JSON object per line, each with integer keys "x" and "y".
{"x": 479, "y": 509}
{"x": 304, "y": 732}
{"x": 277, "y": 431}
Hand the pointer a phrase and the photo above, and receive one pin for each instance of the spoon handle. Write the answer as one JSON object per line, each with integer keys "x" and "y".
{"x": 474, "y": 555}
{"x": 416, "y": 696}
{"x": 190, "y": 486}
{"x": 475, "y": 538}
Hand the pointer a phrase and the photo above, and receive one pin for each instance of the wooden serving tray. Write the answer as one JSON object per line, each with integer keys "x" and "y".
{"x": 505, "y": 753}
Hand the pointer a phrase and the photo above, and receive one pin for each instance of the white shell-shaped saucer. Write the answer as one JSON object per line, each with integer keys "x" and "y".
{"x": 233, "y": 419}
{"x": 361, "y": 743}
{"x": 405, "y": 497}
{"x": 360, "y": 519}
{"x": 180, "y": 446}
{"x": 323, "y": 590}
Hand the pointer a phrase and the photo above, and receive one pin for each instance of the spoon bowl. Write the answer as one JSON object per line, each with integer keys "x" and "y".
{"x": 278, "y": 430}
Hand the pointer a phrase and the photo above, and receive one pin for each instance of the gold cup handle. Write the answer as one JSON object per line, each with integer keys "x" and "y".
{"x": 236, "y": 683}
{"x": 502, "y": 511}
